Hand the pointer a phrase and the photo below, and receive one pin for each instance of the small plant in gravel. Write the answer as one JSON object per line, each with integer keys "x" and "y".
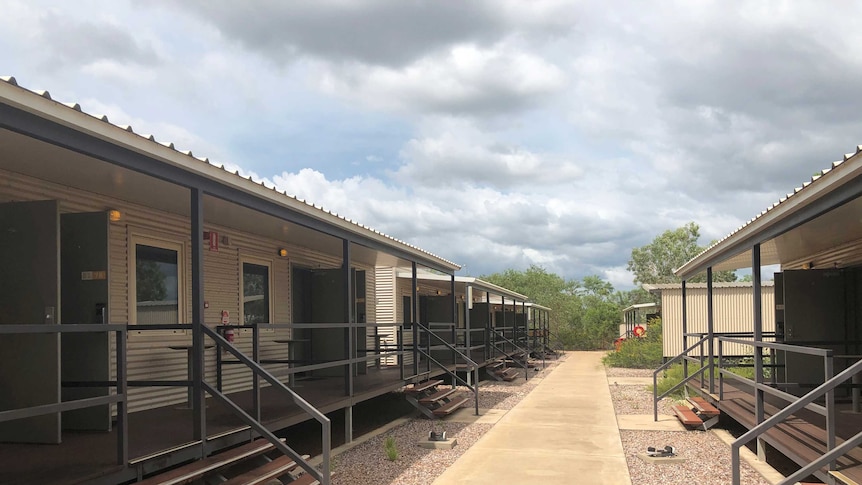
{"x": 391, "y": 450}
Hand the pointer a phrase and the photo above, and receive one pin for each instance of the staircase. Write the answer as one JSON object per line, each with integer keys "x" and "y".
{"x": 432, "y": 400}
{"x": 698, "y": 414}
{"x": 243, "y": 465}
{"x": 500, "y": 372}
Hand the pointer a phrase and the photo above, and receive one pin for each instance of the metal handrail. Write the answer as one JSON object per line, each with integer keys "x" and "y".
{"x": 309, "y": 365}
{"x": 683, "y": 355}
{"x": 474, "y": 367}
{"x": 778, "y": 417}
{"x": 779, "y": 346}
{"x": 513, "y": 344}
{"x": 326, "y": 437}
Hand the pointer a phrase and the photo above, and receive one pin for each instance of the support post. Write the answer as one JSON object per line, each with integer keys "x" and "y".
{"x": 503, "y": 314}
{"x": 757, "y": 303}
{"x": 454, "y": 332}
{"x": 414, "y": 304}
{"x": 488, "y": 326}
{"x": 468, "y": 305}
{"x": 710, "y": 329}
{"x": 198, "y": 399}
{"x": 350, "y": 331}
{"x": 348, "y": 424}
{"x": 684, "y": 329}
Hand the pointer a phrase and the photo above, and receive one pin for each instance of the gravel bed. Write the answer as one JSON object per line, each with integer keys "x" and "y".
{"x": 367, "y": 463}
{"x": 623, "y": 372}
{"x": 708, "y": 458}
{"x": 636, "y": 400}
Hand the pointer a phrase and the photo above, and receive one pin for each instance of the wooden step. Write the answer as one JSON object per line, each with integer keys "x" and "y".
{"x": 450, "y": 407}
{"x": 199, "y": 468}
{"x": 703, "y": 407}
{"x": 844, "y": 479}
{"x": 422, "y": 386}
{"x": 262, "y": 474}
{"x": 508, "y": 375}
{"x": 686, "y": 415}
{"x": 441, "y": 394}
{"x": 495, "y": 365}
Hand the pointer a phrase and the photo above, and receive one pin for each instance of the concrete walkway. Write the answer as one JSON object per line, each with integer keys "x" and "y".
{"x": 565, "y": 431}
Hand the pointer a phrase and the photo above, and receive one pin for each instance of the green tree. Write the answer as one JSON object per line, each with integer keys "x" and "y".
{"x": 546, "y": 289}
{"x": 655, "y": 262}
{"x": 585, "y": 315}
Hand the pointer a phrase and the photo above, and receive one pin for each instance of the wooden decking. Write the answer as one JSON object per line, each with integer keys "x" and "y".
{"x": 801, "y": 437}
{"x": 90, "y": 457}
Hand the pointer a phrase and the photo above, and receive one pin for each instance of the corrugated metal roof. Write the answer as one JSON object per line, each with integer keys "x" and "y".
{"x": 823, "y": 177}
{"x": 639, "y": 306}
{"x": 240, "y": 181}
{"x": 477, "y": 283}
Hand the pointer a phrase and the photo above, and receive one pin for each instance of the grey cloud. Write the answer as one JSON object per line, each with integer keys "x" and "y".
{"x": 726, "y": 105}
{"x": 450, "y": 160}
{"x": 372, "y": 32}
{"x": 73, "y": 42}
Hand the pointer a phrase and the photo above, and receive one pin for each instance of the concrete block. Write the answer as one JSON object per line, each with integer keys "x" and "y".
{"x": 438, "y": 445}
{"x": 660, "y": 460}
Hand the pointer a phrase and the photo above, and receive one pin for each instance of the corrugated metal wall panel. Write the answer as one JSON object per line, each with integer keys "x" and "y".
{"x": 385, "y": 307}
{"x": 732, "y": 313}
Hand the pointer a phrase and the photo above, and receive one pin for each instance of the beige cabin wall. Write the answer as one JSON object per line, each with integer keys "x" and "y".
{"x": 733, "y": 312}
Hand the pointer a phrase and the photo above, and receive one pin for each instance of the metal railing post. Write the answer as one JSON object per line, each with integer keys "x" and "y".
{"x": 399, "y": 339}
{"x": 828, "y": 363}
{"x": 123, "y": 405}
{"x": 720, "y": 373}
{"x": 255, "y": 355}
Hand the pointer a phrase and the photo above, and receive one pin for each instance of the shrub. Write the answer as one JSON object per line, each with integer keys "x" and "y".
{"x": 672, "y": 376}
{"x": 391, "y": 450}
{"x": 639, "y": 353}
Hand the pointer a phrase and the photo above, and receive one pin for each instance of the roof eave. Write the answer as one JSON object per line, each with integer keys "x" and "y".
{"x": 70, "y": 115}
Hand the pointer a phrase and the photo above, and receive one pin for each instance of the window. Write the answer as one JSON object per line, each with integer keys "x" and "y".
{"x": 255, "y": 293}
{"x": 156, "y": 281}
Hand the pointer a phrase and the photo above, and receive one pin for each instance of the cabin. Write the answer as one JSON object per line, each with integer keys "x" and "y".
{"x": 801, "y": 394}
{"x": 159, "y": 312}
{"x": 732, "y": 313}
{"x": 637, "y": 315}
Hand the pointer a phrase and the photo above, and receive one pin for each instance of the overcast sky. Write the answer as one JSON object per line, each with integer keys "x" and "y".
{"x": 496, "y": 133}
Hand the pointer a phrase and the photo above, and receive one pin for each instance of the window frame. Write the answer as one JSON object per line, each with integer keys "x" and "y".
{"x": 257, "y": 261}
{"x": 167, "y": 243}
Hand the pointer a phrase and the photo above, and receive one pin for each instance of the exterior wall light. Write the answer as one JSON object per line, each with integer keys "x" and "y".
{"x": 282, "y": 252}
{"x": 114, "y": 215}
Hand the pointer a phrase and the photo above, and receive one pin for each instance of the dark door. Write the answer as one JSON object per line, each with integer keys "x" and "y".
{"x": 84, "y": 297}
{"x": 29, "y": 294}
{"x": 327, "y": 306}
{"x": 362, "y": 340}
{"x": 814, "y": 316}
